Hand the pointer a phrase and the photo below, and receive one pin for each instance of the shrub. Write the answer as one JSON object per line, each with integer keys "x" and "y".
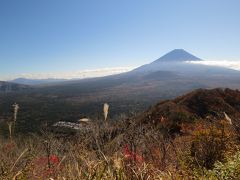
{"x": 228, "y": 170}
{"x": 210, "y": 144}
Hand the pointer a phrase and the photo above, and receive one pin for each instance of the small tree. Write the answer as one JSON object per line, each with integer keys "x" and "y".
{"x": 210, "y": 143}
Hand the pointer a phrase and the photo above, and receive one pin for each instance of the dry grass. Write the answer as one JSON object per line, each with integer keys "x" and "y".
{"x": 121, "y": 150}
{"x": 90, "y": 155}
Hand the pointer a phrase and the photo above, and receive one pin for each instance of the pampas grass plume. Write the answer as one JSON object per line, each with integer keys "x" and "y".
{"x": 229, "y": 120}
{"x": 105, "y": 110}
{"x": 15, "y": 110}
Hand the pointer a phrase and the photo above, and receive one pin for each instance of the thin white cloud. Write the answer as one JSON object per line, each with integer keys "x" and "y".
{"x": 72, "y": 75}
{"x": 107, "y": 71}
{"x": 228, "y": 64}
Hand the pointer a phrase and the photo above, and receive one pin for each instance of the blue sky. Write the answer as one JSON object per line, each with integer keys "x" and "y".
{"x": 38, "y": 36}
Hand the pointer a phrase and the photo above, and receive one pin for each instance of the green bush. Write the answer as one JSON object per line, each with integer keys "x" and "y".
{"x": 228, "y": 170}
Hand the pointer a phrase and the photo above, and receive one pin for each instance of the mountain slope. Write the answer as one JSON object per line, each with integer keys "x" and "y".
{"x": 26, "y": 81}
{"x": 170, "y": 74}
{"x": 171, "y": 116}
{"x": 178, "y": 61}
{"x": 126, "y": 93}
{"x": 196, "y": 105}
{"x": 178, "y": 55}
{"x": 12, "y": 87}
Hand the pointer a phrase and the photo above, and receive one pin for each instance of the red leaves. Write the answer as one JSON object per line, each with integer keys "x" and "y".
{"x": 46, "y": 166}
{"x": 133, "y": 156}
{"x": 54, "y": 159}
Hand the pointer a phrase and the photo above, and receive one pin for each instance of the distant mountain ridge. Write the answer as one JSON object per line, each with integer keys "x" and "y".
{"x": 53, "y": 78}
{"x": 12, "y": 87}
{"x": 173, "y": 65}
{"x": 27, "y": 81}
{"x": 128, "y": 92}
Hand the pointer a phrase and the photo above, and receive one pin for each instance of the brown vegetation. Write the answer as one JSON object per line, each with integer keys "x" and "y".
{"x": 173, "y": 140}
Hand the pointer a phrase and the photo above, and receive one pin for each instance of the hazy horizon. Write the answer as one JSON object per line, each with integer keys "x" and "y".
{"x": 88, "y": 73}
{"x": 52, "y": 38}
